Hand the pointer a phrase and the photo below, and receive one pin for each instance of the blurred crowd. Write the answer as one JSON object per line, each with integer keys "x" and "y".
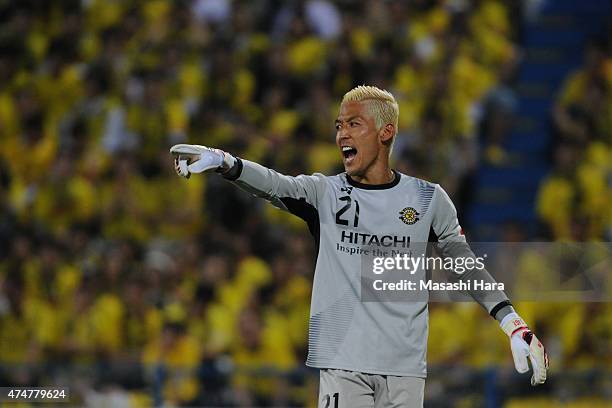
{"x": 575, "y": 201}
{"x": 115, "y": 273}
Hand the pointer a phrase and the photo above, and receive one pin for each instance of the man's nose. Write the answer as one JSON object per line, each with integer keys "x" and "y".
{"x": 342, "y": 132}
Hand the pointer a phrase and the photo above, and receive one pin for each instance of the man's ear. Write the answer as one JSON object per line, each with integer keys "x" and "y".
{"x": 386, "y": 134}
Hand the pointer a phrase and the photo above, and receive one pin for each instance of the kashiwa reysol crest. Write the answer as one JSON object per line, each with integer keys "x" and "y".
{"x": 409, "y": 215}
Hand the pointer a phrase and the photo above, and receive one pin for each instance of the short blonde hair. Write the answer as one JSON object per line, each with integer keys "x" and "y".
{"x": 382, "y": 104}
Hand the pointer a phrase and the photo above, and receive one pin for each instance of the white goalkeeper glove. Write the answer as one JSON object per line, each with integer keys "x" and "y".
{"x": 199, "y": 159}
{"x": 525, "y": 344}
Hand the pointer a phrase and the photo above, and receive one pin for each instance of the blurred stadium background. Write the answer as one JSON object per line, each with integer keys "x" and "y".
{"x": 135, "y": 288}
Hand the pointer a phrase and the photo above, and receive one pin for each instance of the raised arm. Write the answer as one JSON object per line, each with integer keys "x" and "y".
{"x": 299, "y": 195}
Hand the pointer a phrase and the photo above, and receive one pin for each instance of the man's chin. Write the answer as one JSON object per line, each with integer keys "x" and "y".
{"x": 352, "y": 167}
{"x": 352, "y": 171}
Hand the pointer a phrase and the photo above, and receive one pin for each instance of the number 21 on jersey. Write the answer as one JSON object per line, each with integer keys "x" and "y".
{"x": 347, "y": 206}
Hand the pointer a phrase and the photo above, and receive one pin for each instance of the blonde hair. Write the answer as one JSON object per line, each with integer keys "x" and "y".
{"x": 381, "y": 104}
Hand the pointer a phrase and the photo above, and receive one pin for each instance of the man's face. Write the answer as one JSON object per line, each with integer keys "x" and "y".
{"x": 357, "y": 137}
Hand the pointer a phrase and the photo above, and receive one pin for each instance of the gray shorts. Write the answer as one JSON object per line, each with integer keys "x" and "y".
{"x": 351, "y": 389}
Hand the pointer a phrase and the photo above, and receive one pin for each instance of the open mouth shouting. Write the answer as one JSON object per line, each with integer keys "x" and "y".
{"x": 348, "y": 154}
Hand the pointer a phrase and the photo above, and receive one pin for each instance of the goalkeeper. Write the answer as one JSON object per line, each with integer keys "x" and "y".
{"x": 370, "y": 354}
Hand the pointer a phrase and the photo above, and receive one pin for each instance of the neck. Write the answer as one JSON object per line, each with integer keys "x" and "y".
{"x": 383, "y": 175}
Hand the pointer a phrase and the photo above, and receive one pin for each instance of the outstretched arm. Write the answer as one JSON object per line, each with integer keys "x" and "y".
{"x": 452, "y": 243}
{"x": 298, "y": 195}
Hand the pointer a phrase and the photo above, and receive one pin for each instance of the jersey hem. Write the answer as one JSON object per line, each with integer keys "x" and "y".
{"x": 370, "y": 371}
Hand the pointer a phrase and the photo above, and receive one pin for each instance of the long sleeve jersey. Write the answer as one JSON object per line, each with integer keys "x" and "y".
{"x": 345, "y": 332}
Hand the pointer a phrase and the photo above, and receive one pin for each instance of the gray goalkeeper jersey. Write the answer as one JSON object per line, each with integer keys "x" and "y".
{"x": 384, "y": 337}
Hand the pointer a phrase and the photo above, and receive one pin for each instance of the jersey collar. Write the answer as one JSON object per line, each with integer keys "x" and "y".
{"x": 384, "y": 186}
